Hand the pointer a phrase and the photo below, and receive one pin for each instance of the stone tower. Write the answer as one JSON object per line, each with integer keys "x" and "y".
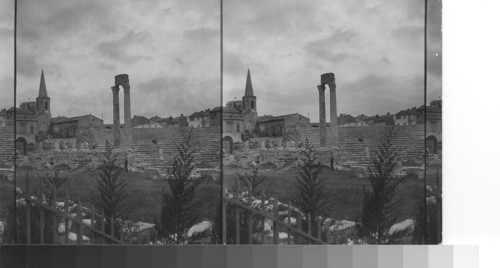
{"x": 43, "y": 106}
{"x": 249, "y": 112}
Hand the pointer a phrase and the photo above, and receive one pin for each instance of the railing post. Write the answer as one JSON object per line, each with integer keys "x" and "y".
{"x": 28, "y": 209}
{"x": 318, "y": 223}
{"x": 42, "y": 214}
{"x": 299, "y": 226}
{"x": 79, "y": 220}
{"x": 112, "y": 226}
{"x": 54, "y": 219}
{"x": 92, "y": 222}
{"x": 121, "y": 231}
{"x": 289, "y": 223}
{"x": 309, "y": 229}
{"x": 250, "y": 226}
{"x": 263, "y": 230}
{"x": 66, "y": 221}
{"x": 224, "y": 216}
{"x": 275, "y": 222}
{"x": 102, "y": 221}
{"x": 328, "y": 233}
{"x": 237, "y": 212}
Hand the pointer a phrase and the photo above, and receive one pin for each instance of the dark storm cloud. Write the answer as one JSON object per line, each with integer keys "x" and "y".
{"x": 117, "y": 49}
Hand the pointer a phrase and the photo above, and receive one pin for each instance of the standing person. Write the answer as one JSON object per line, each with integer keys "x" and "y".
{"x": 331, "y": 162}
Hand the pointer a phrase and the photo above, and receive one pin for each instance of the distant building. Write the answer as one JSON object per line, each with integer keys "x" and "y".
{"x": 232, "y": 120}
{"x": 27, "y": 122}
{"x": 32, "y": 117}
{"x": 345, "y": 120}
{"x": 406, "y": 117}
{"x": 139, "y": 120}
{"x": 180, "y": 121}
{"x": 236, "y": 104}
{"x": 3, "y": 118}
{"x": 199, "y": 119}
{"x": 269, "y": 126}
{"x": 151, "y": 124}
{"x": 433, "y": 111}
{"x": 63, "y": 127}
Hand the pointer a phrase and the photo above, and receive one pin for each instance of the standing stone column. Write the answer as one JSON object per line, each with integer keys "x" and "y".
{"x": 329, "y": 79}
{"x": 116, "y": 116}
{"x": 333, "y": 111}
{"x": 127, "y": 115}
{"x": 322, "y": 116}
{"x": 56, "y": 145}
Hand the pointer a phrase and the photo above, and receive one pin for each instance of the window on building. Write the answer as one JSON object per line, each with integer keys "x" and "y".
{"x": 253, "y": 105}
{"x": 238, "y": 128}
{"x": 46, "y": 106}
{"x": 32, "y": 130}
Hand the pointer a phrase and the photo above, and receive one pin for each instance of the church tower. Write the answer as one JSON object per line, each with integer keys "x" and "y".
{"x": 249, "y": 112}
{"x": 43, "y": 106}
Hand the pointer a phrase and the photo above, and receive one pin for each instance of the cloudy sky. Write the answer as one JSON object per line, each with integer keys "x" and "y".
{"x": 374, "y": 47}
{"x": 170, "y": 50}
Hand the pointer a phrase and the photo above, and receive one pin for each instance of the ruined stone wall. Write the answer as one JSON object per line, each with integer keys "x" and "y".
{"x": 357, "y": 144}
{"x": 156, "y": 147}
{"x": 72, "y": 159}
{"x": 6, "y": 145}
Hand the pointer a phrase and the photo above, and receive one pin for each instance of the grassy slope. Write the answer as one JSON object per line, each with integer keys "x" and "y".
{"x": 144, "y": 193}
{"x": 345, "y": 190}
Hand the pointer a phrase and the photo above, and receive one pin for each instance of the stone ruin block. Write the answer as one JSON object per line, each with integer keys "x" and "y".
{"x": 84, "y": 146}
{"x": 327, "y": 78}
{"x": 56, "y": 145}
{"x": 279, "y": 143}
{"x": 262, "y": 145}
{"x": 121, "y": 79}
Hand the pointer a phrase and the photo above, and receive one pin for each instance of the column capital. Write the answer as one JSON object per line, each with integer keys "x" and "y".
{"x": 332, "y": 85}
{"x": 321, "y": 88}
{"x": 126, "y": 87}
{"x": 115, "y": 89}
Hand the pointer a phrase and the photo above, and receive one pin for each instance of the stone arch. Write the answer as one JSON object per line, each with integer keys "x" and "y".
{"x": 227, "y": 144}
{"x": 22, "y": 146}
{"x": 431, "y": 144}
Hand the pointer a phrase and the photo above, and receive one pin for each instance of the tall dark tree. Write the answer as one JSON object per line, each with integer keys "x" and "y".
{"x": 311, "y": 197}
{"x": 253, "y": 182}
{"x": 380, "y": 207}
{"x": 112, "y": 192}
{"x": 179, "y": 206}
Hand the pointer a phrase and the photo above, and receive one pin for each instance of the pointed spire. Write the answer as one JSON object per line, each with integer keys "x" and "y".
{"x": 42, "y": 91}
{"x": 248, "y": 88}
